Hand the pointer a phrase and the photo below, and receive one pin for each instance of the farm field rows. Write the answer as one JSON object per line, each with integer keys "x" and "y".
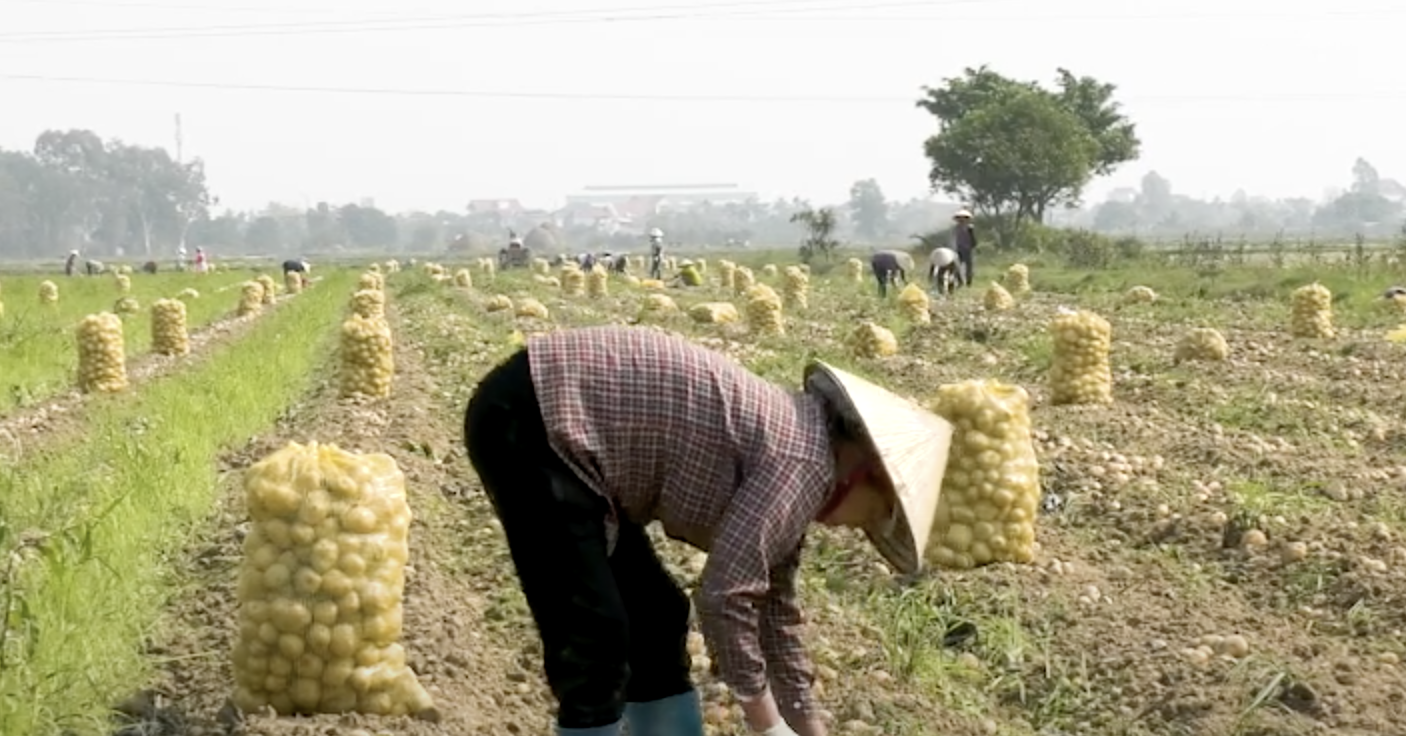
{"x": 1147, "y": 502}
{"x": 37, "y": 348}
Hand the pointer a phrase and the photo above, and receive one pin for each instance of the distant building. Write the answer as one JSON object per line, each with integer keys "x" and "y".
{"x": 612, "y": 209}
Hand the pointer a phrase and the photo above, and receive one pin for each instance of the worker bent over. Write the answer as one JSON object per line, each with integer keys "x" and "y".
{"x": 585, "y": 436}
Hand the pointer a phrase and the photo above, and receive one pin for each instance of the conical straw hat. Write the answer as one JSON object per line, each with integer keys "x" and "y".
{"x": 911, "y": 444}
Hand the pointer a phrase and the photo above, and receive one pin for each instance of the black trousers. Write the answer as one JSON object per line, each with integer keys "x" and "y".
{"x": 968, "y": 268}
{"x": 614, "y": 627}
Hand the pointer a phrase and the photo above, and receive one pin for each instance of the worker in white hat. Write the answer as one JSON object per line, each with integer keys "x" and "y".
{"x": 585, "y": 436}
{"x": 964, "y": 242}
{"x": 656, "y": 253}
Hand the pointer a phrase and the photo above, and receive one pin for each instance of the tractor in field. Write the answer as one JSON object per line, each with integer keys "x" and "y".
{"x": 515, "y": 255}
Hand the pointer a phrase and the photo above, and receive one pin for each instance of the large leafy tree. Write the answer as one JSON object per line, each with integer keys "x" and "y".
{"x": 1013, "y": 149}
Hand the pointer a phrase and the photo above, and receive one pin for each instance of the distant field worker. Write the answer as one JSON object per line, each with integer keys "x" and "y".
{"x": 888, "y": 267}
{"x": 200, "y": 260}
{"x": 70, "y": 264}
{"x": 296, "y": 266}
{"x": 656, "y": 253}
{"x": 964, "y": 242}
{"x": 943, "y": 265}
{"x": 585, "y": 436}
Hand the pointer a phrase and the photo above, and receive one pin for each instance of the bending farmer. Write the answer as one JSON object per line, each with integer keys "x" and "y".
{"x": 587, "y": 435}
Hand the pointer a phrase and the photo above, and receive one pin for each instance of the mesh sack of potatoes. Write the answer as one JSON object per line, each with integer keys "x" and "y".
{"x": 124, "y": 268}
{"x": 854, "y": 269}
{"x": 997, "y": 299}
{"x": 690, "y": 275}
{"x": 489, "y": 267}
{"x": 188, "y": 294}
{"x": 743, "y": 280}
{"x": 433, "y": 270}
{"x": 270, "y": 288}
{"x": 870, "y": 340}
{"x": 914, "y": 305}
{"x": 714, "y": 313}
{"x": 251, "y": 298}
{"x": 102, "y": 359}
{"x": 631, "y": 279}
{"x": 368, "y": 361}
{"x": 322, "y": 584}
{"x": 374, "y": 268}
{"x": 127, "y": 305}
{"x": 770, "y": 270}
{"x": 651, "y": 284}
{"x": 991, "y": 490}
{"x": 1140, "y": 295}
{"x": 550, "y": 281}
{"x": 369, "y": 303}
{"x": 371, "y": 280}
{"x": 1312, "y": 314}
{"x": 498, "y": 303}
{"x": 1080, "y": 372}
{"x": 541, "y": 266}
{"x": 657, "y": 305}
{"x": 392, "y": 266}
{"x": 463, "y": 279}
{"x": 293, "y": 282}
{"x": 702, "y": 265}
{"x": 1202, "y": 343}
{"x": 529, "y": 307}
{"x": 795, "y": 288}
{"x": 764, "y": 311}
{"x": 1018, "y": 278}
{"x": 168, "y": 327}
{"x": 573, "y": 282}
{"x": 48, "y": 292}
{"x": 124, "y": 283}
{"x": 727, "y": 275}
{"x": 597, "y": 282}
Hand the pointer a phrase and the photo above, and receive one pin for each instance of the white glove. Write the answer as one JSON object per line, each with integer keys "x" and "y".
{"x": 780, "y": 729}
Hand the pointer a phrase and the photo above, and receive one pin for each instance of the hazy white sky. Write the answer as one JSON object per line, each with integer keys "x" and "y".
{"x": 1276, "y": 97}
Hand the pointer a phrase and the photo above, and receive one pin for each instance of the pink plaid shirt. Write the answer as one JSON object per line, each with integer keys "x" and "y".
{"x": 726, "y": 461}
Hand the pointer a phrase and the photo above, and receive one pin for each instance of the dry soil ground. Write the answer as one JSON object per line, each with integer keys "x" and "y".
{"x": 1147, "y": 503}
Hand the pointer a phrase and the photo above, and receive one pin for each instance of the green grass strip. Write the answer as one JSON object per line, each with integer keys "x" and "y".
{"x": 113, "y": 510}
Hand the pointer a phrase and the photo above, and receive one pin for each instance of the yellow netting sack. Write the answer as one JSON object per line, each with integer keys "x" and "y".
{"x": 463, "y": 279}
{"x": 691, "y": 275}
{"x": 770, "y": 270}
{"x": 368, "y": 303}
{"x": 498, "y": 303}
{"x": 368, "y": 360}
{"x": 270, "y": 294}
{"x": 489, "y": 268}
{"x": 727, "y": 274}
{"x": 997, "y": 299}
{"x": 651, "y": 284}
{"x": 573, "y": 282}
{"x": 168, "y": 327}
{"x": 529, "y": 307}
{"x": 392, "y": 266}
{"x": 188, "y": 294}
{"x": 991, "y": 490}
{"x": 714, "y": 313}
{"x": 251, "y": 298}
{"x": 1140, "y": 295}
{"x": 377, "y": 282}
{"x": 293, "y": 282}
{"x": 102, "y": 357}
{"x": 1018, "y": 278}
{"x": 702, "y": 265}
{"x": 764, "y": 311}
{"x": 870, "y": 340}
{"x": 795, "y": 289}
{"x": 914, "y": 305}
{"x": 743, "y": 280}
{"x": 1080, "y": 371}
{"x": 657, "y": 305}
{"x": 597, "y": 282}
{"x": 541, "y": 266}
{"x": 1202, "y": 343}
{"x": 127, "y": 305}
{"x": 1312, "y": 312}
{"x": 321, "y": 586}
{"x": 854, "y": 269}
{"x": 549, "y": 281}
{"x": 48, "y": 292}
{"x": 124, "y": 283}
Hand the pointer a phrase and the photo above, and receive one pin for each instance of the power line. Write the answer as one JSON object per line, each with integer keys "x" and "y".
{"x": 640, "y": 97}
{"x": 759, "y": 10}
{"x": 598, "y": 15}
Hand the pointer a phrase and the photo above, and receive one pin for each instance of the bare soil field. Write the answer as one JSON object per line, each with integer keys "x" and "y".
{"x": 1217, "y": 546}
